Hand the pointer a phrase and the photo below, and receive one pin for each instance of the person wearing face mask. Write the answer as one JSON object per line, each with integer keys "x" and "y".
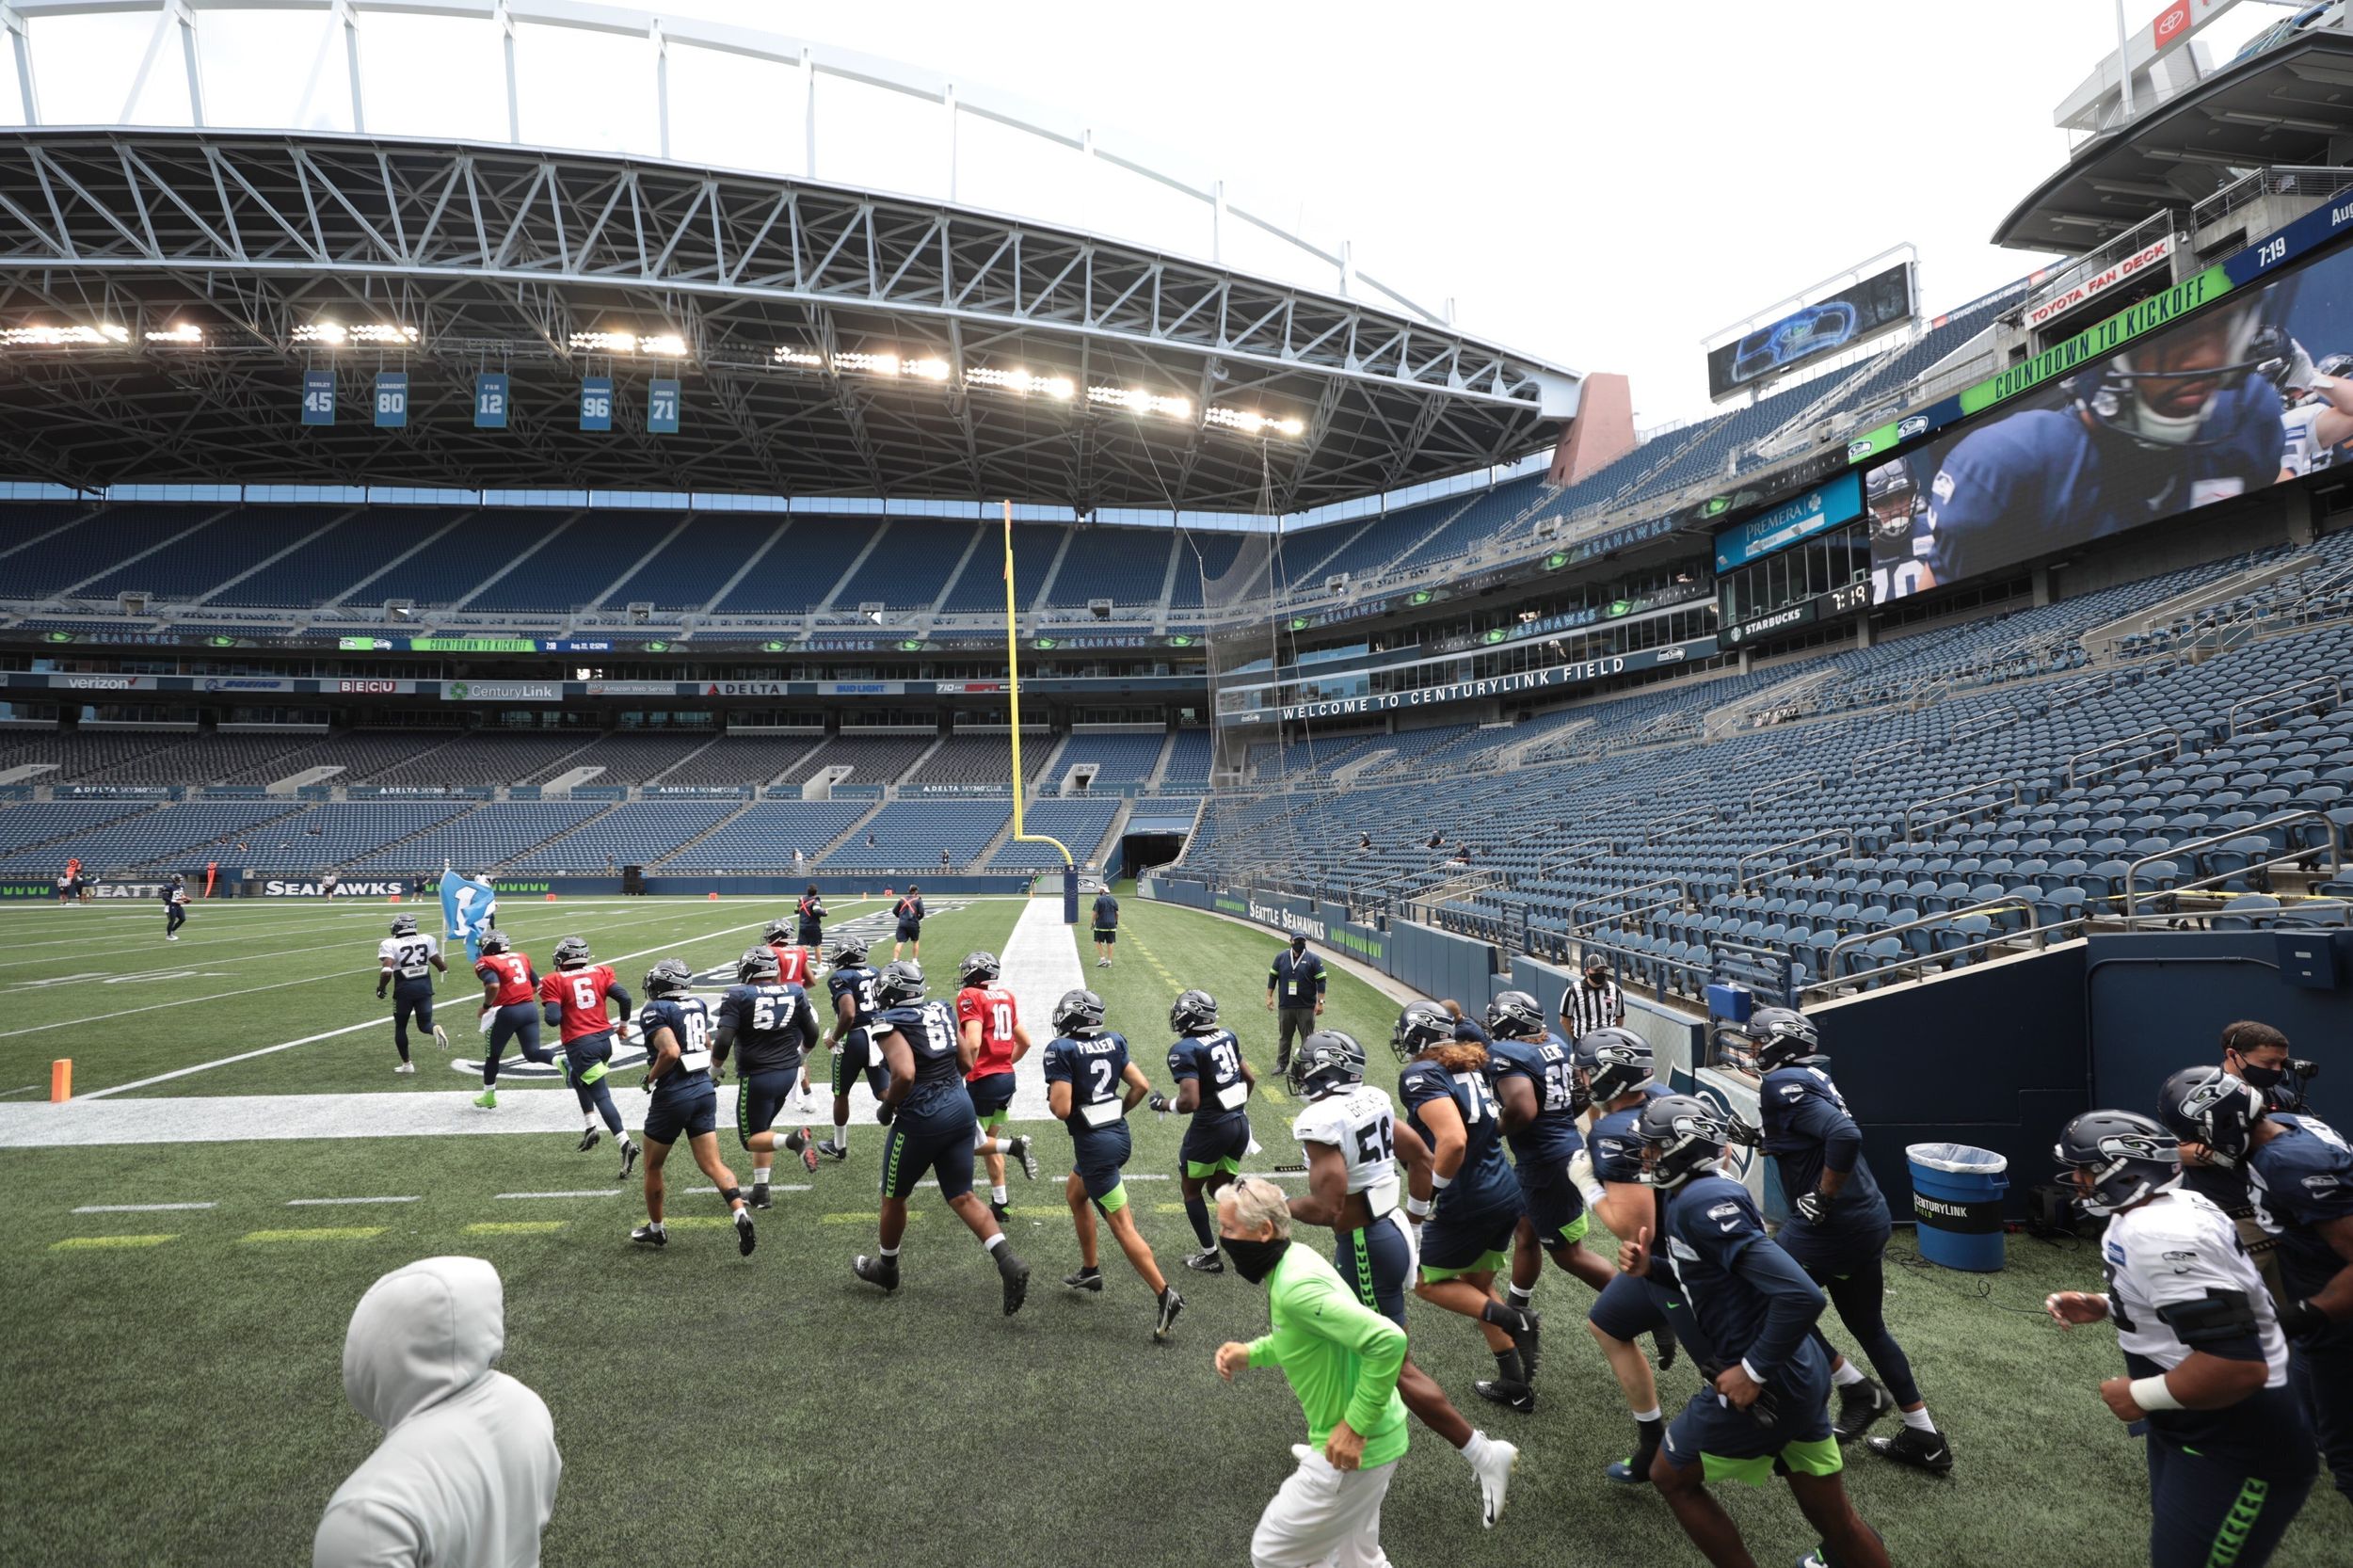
{"x": 1343, "y": 1359}
{"x": 2257, "y": 1055}
{"x": 467, "y": 1472}
{"x": 1296, "y": 977}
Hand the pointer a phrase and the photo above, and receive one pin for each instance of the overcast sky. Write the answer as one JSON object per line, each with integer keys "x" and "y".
{"x": 1601, "y": 185}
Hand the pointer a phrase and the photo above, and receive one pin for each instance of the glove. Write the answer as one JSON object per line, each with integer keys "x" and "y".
{"x": 1747, "y": 1134}
{"x": 884, "y": 1110}
{"x": 717, "y": 1078}
{"x": 1581, "y": 1176}
{"x": 1159, "y": 1104}
{"x": 1813, "y": 1207}
{"x": 379, "y": 993}
{"x": 2300, "y": 1318}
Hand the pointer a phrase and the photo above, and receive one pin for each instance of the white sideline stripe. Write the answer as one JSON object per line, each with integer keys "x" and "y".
{"x": 138, "y": 1207}
{"x": 772, "y": 1187}
{"x": 323, "y": 1203}
{"x": 587, "y": 1193}
{"x": 26, "y": 1090}
{"x": 1039, "y": 963}
{"x": 311, "y": 1039}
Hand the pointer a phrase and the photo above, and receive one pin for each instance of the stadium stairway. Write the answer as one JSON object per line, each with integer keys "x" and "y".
{"x": 717, "y": 736}
{"x": 718, "y": 826}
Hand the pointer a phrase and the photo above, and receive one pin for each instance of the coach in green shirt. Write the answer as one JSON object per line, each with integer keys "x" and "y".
{"x": 1343, "y": 1359}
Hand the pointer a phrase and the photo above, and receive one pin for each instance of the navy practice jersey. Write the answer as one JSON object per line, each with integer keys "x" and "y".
{"x": 1094, "y": 1067}
{"x": 2041, "y": 478}
{"x": 1808, "y": 1129}
{"x": 1751, "y": 1301}
{"x": 688, "y": 1019}
{"x": 1485, "y": 1181}
{"x": 930, "y": 1030}
{"x": 2300, "y": 1180}
{"x": 1214, "y": 1061}
{"x": 1617, "y": 1146}
{"x": 775, "y": 1026}
{"x": 857, "y": 983}
{"x": 1547, "y": 1142}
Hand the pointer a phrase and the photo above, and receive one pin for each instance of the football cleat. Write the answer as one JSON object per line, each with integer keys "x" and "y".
{"x": 1015, "y": 1275}
{"x": 1206, "y": 1262}
{"x": 1518, "y": 1396}
{"x": 440, "y": 1036}
{"x": 629, "y": 1159}
{"x": 1859, "y": 1405}
{"x": 1633, "y": 1470}
{"x": 1086, "y": 1279}
{"x": 588, "y": 1137}
{"x": 651, "y": 1236}
{"x": 998, "y": 1212}
{"x": 744, "y": 1238}
{"x": 1495, "y": 1479}
{"x": 487, "y": 1101}
{"x": 1922, "y": 1450}
{"x": 1025, "y": 1150}
{"x": 803, "y": 1145}
{"x": 883, "y": 1272}
{"x": 1171, "y": 1304}
{"x": 1524, "y": 1340}
{"x": 758, "y": 1198}
{"x": 832, "y": 1150}
{"x": 405, "y": 1067}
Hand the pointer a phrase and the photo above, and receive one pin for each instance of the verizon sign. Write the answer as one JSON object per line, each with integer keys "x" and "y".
{"x": 2099, "y": 283}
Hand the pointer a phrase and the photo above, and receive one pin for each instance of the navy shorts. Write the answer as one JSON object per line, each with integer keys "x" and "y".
{"x": 916, "y": 1146}
{"x": 688, "y": 1112}
{"x": 857, "y": 1055}
{"x": 1459, "y": 1243}
{"x": 758, "y": 1098}
{"x": 910, "y": 930}
{"x": 585, "y": 1060}
{"x": 1374, "y": 1262}
{"x": 1215, "y": 1144}
{"x": 1707, "y": 1426}
{"x": 1099, "y": 1155}
{"x": 1630, "y": 1306}
{"x": 1827, "y": 1254}
{"x": 991, "y": 1096}
{"x": 1107, "y": 934}
{"x": 1556, "y": 1209}
{"x": 517, "y": 1022}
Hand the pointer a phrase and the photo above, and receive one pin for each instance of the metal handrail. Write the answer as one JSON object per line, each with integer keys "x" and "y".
{"x": 1739, "y": 866}
{"x": 2215, "y": 841}
{"x": 1809, "y": 776}
{"x": 1682, "y": 888}
{"x": 2335, "y": 686}
{"x": 1911, "y": 833}
{"x": 2126, "y": 740}
{"x": 2035, "y": 928}
{"x": 1658, "y": 830}
{"x": 1545, "y": 864}
{"x": 1788, "y": 966}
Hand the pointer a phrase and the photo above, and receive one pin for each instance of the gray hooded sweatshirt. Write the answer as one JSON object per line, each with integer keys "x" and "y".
{"x": 466, "y": 1475}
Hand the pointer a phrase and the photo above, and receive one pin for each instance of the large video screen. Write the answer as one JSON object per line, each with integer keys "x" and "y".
{"x": 1875, "y": 305}
{"x": 2257, "y": 389}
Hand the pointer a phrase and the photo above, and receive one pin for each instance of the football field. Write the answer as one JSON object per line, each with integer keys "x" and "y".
{"x": 183, "y": 1250}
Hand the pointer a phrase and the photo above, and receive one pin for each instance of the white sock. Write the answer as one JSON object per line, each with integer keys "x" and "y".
{"x": 1476, "y": 1449}
{"x": 891, "y": 1252}
{"x": 1846, "y": 1375}
{"x": 996, "y": 1194}
{"x": 759, "y": 1175}
{"x": 1522, "y": 1298}
{"x": 842, "y": 1135}
{"x": 994, "y": 1242}
{"x": 1918, "y": 1419}
{"x": 589, "y": 1118}
{"x": 1650, "y": 1414}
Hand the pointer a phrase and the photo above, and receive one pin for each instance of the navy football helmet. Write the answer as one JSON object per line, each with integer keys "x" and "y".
{"x": 1687, "y": 1135}
{"x": 571, "y": 953}
{"x": 404, "y": 925}
{"x": 1614, "y": 1062}
{"x": 979, "y": 967}
{"x": 1079, "y": 1013}
{"x": 900, "y": 984}
{"x": 1328, "y": 1060}
{"x": 848, "y": 953}
{"x": 1777, "y": 1036}
{"x": 497, "y": 941}
{"x": 1420, "y": 1027}
{"x": 2111, "y": 394}
{"x": 674, "y": 977}
{"x": 2206, "y": 1105}
{"x": 757, "y": 967}
{"x": 1196, "y": 1013}
{"x": 2129, "y": 1156}
{"x": 1515, "y": 1015}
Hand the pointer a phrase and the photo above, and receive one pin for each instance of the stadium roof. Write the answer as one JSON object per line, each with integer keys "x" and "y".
{"x": 829, "y": 340}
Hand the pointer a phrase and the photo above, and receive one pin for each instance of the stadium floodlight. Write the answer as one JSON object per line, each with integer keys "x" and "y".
{"x": 668, "y": 345}
{"x": 334, "y": 334}
{"x": 665, "y": 345}
{"x": 105, "y": 335}
{"x": 182, "y": 333}
{"x": 1020, "y": 380}
{"x": 1249, "y": 424}
{"x": 1139, "y": 401}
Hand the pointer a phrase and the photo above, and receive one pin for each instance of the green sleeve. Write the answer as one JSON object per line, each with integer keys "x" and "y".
{"x": 1378, "y": 1344}
{"x": 1262, "y": 1351}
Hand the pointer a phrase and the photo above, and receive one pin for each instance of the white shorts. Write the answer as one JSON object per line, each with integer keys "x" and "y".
{"x": 1321, "y": 1517}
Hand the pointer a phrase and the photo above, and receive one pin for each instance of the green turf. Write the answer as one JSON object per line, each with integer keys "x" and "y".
{"x": 179, "y": 1400}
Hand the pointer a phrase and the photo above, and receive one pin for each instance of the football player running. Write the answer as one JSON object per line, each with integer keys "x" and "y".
{"x": 929, "y": 1114}
{"x": 1465, "y": 1233}
{"x": 1087, "y": 1067}
{"x": 680, "y": 1076}
{"x": 1213, "y": 1087}
{"x": 404, "y": 961}
{"x": 572, "y": 1001}
{"x": 1533, "y": 1073}
{"x": 1350, "y": 1134}
{"x": 2299, "y": 1176}
{"x": 509, "y": 1009}
{"x": 993, "y": 1040}
{"x": 1837, "y": 1229}
{"x": 2207, "y": 1367}
{"x": 851, "y": 986}
{"x": 1766, "y": 1406}
{"x": 793, "y": 962}
{"x": 1617, "y": 1072}
{"x": 774, "y": 1024}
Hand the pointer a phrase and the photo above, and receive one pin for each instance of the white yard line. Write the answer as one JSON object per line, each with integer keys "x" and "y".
{"x": 329, "y": 1203}
{"x": 587, "y": 1193}
{"x": 138, "y": 1207}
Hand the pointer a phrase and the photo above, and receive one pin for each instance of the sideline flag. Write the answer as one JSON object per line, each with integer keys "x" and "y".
{"x": 467, "y": 905}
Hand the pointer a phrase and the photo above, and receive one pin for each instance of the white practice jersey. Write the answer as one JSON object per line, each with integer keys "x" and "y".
{"x": 1362, "y": 1125}
{"x": 411, "y": 958}
{"x": 2170, "y": 1253}
{"x": 2303, "y": 452}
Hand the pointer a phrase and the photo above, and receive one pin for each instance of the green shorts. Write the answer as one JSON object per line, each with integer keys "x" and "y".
{"x": 1485, "y": 1263}
{"x": 1200, "y": 1170}
{"x": 1817, "y": 1457}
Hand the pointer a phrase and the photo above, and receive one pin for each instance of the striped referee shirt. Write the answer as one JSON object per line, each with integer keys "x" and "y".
{"x": 1586, "y": 1008}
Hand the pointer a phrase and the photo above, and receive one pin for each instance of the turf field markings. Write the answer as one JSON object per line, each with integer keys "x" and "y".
{"x": 584, "y": 1192}
{"x": 86, "y": 1243}
{"x": 26, "y": 1090}
{"x": 316, "y": 1233}
{"x": 138, "y": 1207}
{"x": 323, "y": 1203}
{"x": 713, "y": 1192}
{"x": 241, "y": 1056}
{"x": 514, "y": 1227}
{"x": 840, "y": 1218}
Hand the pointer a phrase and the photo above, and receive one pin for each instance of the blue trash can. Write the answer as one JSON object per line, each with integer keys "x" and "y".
{"x": 1956, "y": 1196}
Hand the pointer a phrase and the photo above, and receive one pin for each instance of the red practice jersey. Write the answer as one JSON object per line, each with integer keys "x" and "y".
{"x": 993, "y": 1010}
{"x": 580, "y": 994}
{"x": 512, "y": 971}
{"x": 792, "y": 964}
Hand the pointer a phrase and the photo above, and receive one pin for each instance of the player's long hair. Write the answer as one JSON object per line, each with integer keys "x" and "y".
{"x": 1458, "y": 1056}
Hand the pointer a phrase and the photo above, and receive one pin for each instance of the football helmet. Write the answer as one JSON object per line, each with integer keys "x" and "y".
{"x": 900, "y": 984}
{"x": 2129, "y": 1155}
{"x": 1687, "y": 1135}
{"x": 1892, "y": 495}
{"x": 673, "y": 977}
{"x": 1778, "y": 1037}
{"x": 1515, "y": 1015}
{"x": 1196, "y": 1013}
{"x": 780, "y": 931}
{"x": 757, "y": 967}
{"x": 2111, "y": 396}
{"x": 1420, "y": 1027}
{"x": 404, "y": 925}
{"x": 1079, "y": 1013}
{"x": 1614, "y": 1062}
{"x": 571, "y": 953}
{"x": 2206, "y": 1105}
{"x": 1327, "y": 1059}
{"x": 848, "y": 953}
{"x": 980, "y": 967}
{"x": 497, "y": 941}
